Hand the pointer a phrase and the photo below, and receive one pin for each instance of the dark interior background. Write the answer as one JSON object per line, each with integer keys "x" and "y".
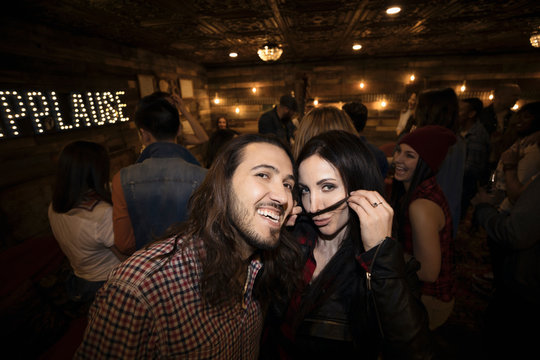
{"x": 104, "y": 45}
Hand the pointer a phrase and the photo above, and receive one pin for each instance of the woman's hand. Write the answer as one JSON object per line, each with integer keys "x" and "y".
{"x": 375, "y": 216}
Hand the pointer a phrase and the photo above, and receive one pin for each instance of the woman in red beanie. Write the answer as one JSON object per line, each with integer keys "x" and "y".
{"x": 424, "y": 223}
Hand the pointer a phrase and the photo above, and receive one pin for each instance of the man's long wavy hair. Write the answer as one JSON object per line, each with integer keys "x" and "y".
{"x": 210, "y": 209}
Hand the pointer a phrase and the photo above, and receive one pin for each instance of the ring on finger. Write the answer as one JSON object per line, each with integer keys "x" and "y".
{"x": 375, "y": 204}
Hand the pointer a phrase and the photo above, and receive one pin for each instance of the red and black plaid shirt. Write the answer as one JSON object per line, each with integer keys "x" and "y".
{"x": 152, "y": 309}
{"x": 444, "y": 288}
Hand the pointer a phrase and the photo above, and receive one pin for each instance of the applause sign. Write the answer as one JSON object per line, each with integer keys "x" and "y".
{"x": 26, "y": 113}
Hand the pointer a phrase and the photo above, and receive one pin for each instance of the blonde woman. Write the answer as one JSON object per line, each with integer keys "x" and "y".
{"x": 325, "y": 118}
{"x": 319, "y": 120}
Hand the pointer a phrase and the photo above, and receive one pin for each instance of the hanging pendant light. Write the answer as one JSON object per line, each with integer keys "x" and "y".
{"x": 270, "y": 52}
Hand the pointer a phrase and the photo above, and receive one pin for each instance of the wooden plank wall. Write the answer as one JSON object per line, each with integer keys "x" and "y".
{"x": 384, "y": 78}
{"x": 38, "y": 58}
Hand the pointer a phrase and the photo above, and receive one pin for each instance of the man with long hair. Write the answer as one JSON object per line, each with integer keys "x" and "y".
{"x": 201, "y": 291}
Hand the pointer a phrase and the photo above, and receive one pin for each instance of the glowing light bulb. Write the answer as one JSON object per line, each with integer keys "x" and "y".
{"x": 315, "y": 102}
{"x": 463, "y": 88}
{"x": 356, "y": 47}
{"x": 393, "y": 10}
{"x": 515, "y": 107}
{"x": 383, "y": 103}
{"x": 490, "y": 97}
{"x": 362, "y": 85}
{"x": 412, "y": 77}
{"x": 254, "y": 90}
{"x": 233, "y": 54}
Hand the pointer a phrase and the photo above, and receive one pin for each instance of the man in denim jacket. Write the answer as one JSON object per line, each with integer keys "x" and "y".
{"x": 153, "y": 193}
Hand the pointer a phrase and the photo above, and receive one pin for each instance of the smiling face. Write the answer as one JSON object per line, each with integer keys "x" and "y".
{"x": 405, "y": 161}
{"x": 222, "y": 123}
{"x": 523, "y": 122}
{"x": 261, "y": 196}
{"x": 321, "y": 186}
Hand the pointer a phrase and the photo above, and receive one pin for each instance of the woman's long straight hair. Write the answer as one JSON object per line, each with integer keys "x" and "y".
{"x": 359, "y": 171}
{"x": 82, "y": 166}
{"x": 400, "y": 198}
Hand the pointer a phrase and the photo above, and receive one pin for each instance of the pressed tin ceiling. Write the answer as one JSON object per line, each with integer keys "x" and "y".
{"x": 321, "y": 30}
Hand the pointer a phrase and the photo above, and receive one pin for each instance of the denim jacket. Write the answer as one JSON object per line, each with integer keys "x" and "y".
{"x": 157, "y": 190}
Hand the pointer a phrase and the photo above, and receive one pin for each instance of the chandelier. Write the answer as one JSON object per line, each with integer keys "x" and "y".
{"x": 270, "y": 52}
{"x": 535, "y": 39}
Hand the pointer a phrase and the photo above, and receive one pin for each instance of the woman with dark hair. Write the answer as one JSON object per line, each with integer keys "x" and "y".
{"x": 222, "y": 123}
{"x": 355, "y": 299}
{"x": 80, "y": 216}
{"x": 423, "y": 220}
{"x": 441, "y": 107}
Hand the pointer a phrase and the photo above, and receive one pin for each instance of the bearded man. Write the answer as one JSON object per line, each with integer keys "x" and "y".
{"x": 200, "y": 293}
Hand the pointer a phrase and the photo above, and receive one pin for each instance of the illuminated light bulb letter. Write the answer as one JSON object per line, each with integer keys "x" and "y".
{"x": 109, "y": 114}
{"x": 120, "y": 105}
{"x": 81, "y": 115}
{"x": 13, "y": 110}
{"x": 55, "y": 109}
{"x": 39, "y": 105}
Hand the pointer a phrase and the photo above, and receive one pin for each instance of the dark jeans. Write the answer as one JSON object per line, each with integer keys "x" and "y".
{"x": 82, "y": 290}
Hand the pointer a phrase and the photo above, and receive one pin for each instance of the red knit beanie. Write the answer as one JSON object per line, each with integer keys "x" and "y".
{"x": 431, "y": 142}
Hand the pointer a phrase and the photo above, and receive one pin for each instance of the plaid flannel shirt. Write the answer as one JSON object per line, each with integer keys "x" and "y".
{"x": 152, "y": 309}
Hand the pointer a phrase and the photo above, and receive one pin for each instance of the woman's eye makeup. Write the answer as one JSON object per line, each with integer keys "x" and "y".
{"x": 328, "y": 187}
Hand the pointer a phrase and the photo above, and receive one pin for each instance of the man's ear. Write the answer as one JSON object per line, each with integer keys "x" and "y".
{"x": 145, "y": 136}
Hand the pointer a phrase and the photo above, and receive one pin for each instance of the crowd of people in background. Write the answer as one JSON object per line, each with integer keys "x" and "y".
{"x": 306, "y": 240}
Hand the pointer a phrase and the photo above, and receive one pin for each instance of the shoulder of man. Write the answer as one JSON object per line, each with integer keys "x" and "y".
{"x": 140, "y": 269}
{"x": 155, "y": 167}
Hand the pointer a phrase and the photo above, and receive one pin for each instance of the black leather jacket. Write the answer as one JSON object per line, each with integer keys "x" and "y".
{"x": 377, "y": 312}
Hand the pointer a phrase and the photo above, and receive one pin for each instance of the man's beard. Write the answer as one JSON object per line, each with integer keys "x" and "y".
{"x": 240, "y": 219}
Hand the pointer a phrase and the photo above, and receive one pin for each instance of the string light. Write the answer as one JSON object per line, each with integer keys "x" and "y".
{"x": 237, "y": 110}
{"x": 383, "y": 103}
{"x": 315, "y": 102}
{"x": 463, "y": 86}
{"x": 412, "y": 77}
{"x": 362, "y": 84}
{"x": 490, "y": 97}
{"x": 254, "y": 90}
